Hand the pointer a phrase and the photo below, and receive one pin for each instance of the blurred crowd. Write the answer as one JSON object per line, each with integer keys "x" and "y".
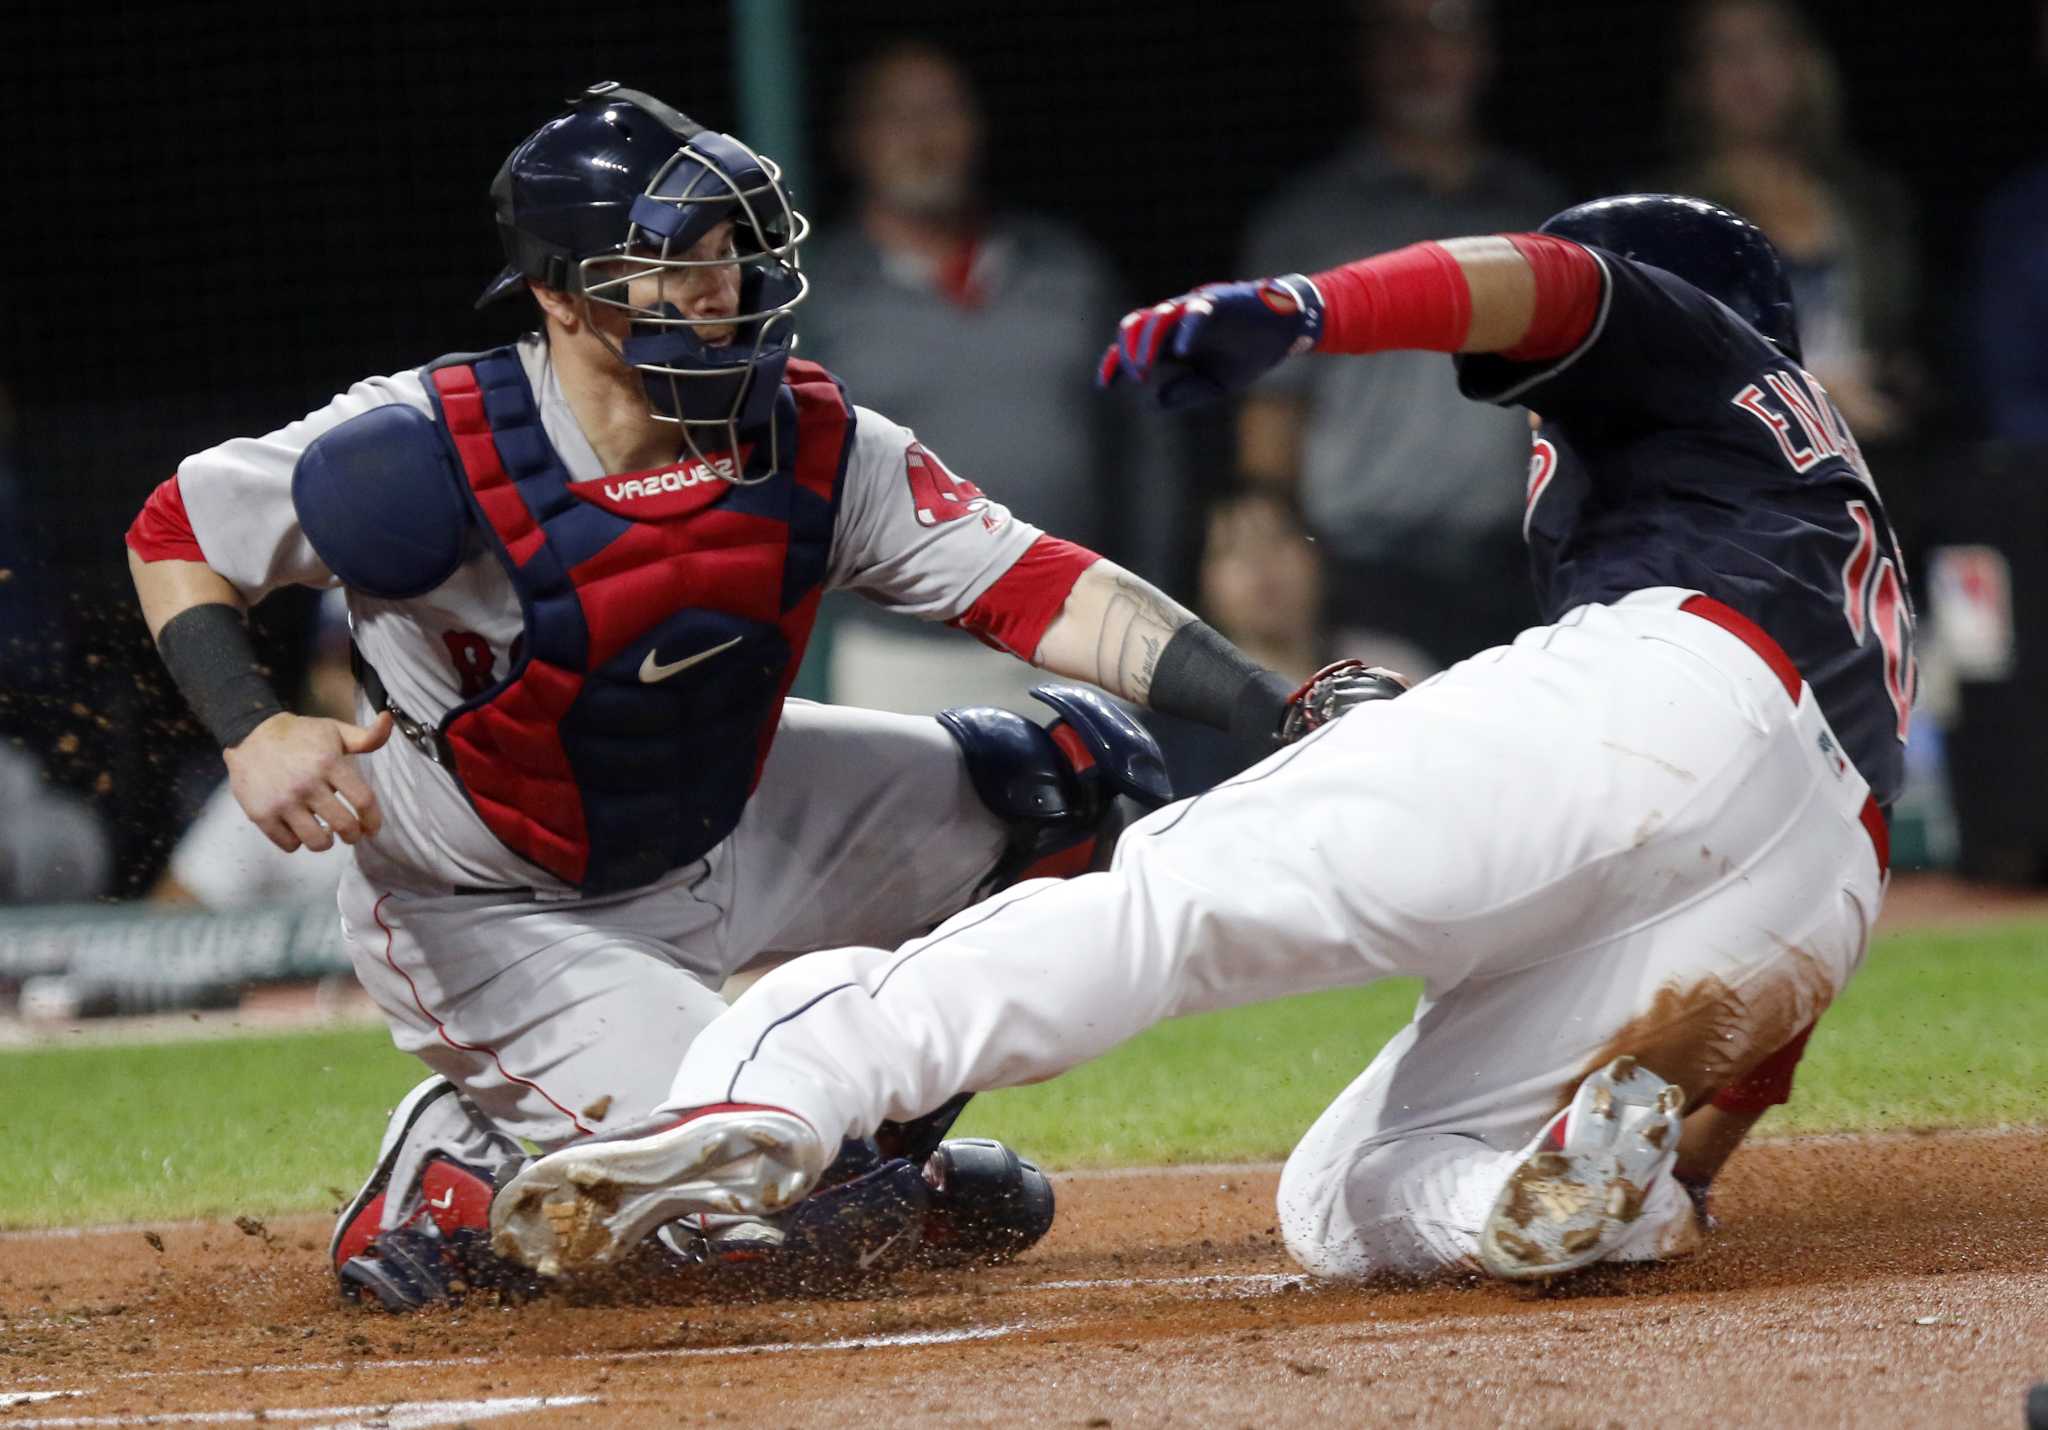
{"x": 1372, "y": 511}
{"x": 1369, "y": 510}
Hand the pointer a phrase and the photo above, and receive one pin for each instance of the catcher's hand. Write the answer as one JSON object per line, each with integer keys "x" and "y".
{"x": 1333, "y": 690}
{"x": 1214, "y": 341}
{"x": 296, "y": 778}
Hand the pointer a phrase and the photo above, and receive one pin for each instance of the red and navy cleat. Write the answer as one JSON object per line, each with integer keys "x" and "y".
{"x": 441, "y": 1253}
{"x": 363, "y": 1217}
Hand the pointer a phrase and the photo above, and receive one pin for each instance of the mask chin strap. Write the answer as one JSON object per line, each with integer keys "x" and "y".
{"x": 668, "y": 355}
{"x": 715, "y": 179}
{"x": 729, "y": 427}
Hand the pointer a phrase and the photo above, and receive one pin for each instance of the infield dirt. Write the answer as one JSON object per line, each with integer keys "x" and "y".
{"x": 1893, "y": 1280}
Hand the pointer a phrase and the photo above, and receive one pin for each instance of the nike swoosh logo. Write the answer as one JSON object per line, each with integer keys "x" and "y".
{"x": 868, "y": 1258}
{"x": 444, "y": 1201}
{"x": 652, "y": 670}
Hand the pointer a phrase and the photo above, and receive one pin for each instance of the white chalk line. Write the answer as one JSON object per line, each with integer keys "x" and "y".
{"x": 845, "y": 1343}
{"x": 1232, "y": 1283}
{"x": 402, "y": 1415}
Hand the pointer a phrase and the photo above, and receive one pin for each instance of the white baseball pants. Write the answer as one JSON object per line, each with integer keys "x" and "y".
{"x": 1619, "y": 834}
{"x": 560, "y": 1017}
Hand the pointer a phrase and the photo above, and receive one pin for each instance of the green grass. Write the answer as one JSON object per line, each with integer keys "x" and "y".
{"x": 1240, "y": 1086}
{"x": 1937, "y": 1030}
{"x": 1940, "y": 1029}
{"x": 212, "y": 1127}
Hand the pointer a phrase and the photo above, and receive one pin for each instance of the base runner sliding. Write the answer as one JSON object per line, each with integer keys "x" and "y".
{"x": 1633, "y": 855}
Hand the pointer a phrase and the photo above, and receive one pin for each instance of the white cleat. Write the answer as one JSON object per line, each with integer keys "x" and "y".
{"x": 589, "y": 1204}
{"x": 1576, "y": 1191}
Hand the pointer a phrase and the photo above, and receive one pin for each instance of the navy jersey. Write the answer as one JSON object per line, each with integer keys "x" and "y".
{"x": 1679, "y": 448}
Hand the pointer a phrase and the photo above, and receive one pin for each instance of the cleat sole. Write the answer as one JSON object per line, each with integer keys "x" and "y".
{"x": 589, "y": 1204}
{"x": 1577, "y": 1199}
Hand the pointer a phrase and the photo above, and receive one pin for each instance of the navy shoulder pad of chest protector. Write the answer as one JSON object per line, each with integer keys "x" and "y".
{"x": 382, "y": 504}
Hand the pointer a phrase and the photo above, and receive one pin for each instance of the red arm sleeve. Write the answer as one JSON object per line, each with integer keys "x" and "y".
{"x": 161, "y": 531}
{"x": 1417, "y": 298}
{"x": 1414, "y": 297}
{"x": 1013, "y": 614}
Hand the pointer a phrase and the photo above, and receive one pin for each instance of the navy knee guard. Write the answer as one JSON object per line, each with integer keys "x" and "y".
{"x": 1066, "y": 789}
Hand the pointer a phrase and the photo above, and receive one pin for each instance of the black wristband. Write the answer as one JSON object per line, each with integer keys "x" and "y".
{"x": 1201, "y": 676}
{"x": 208, "y": 652}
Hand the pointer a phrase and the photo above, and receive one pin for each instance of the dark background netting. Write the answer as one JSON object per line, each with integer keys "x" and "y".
{"x": 217, "y": 216}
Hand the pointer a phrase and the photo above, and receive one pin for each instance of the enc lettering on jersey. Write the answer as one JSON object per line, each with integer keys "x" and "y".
{"x": 1802, "y": 401}
{"x": 1797, "y": 412}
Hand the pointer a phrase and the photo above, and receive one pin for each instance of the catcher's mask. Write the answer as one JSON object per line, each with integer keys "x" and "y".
{"x": 560, "y": 214}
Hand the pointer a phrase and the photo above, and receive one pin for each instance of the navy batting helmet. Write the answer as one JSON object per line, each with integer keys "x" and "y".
{"x": 1719, "y": 252}
{"x": 609, "y": 200}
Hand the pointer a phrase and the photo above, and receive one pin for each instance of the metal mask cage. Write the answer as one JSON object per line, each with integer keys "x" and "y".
{"x": 712, "y": 391}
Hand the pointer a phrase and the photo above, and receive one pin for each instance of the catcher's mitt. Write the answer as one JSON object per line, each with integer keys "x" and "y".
{"x": 1333, "y": 690}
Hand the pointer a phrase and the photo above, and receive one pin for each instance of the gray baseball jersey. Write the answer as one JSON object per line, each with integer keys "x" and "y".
{"x": 238, "y": 499}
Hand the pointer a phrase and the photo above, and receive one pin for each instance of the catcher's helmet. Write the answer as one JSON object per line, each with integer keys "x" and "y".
{"x": 1719, "y": 252}
{"x": 621, "y": 188}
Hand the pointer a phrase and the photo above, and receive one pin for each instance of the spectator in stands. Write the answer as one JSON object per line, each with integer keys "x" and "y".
{"x": 1757, "y": 120}
{"x": 53, "y": 849}
{"x": 2009, "y": 320}
{"x": 979, "y": 327}
{"x": 1410, "y": 490}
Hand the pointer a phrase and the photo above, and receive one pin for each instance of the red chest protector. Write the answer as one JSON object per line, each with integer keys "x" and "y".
{"x": 665, "y": 617}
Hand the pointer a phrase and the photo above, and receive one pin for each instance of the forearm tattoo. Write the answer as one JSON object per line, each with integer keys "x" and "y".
{"x": 1136, "y": 626}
